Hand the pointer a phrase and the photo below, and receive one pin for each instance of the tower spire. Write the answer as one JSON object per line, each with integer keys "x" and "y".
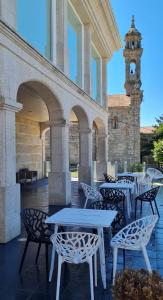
{"x": 133, "y": 22}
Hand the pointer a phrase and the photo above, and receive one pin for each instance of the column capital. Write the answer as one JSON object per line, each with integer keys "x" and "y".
{"x": 59, "y": 123}
{"x": 10, "y": 105}
{"x": 85, "y": 130}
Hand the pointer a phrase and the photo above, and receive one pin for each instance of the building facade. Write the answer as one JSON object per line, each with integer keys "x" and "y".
{"x": 53, "y": 56}
{"x": 124, "y": 110}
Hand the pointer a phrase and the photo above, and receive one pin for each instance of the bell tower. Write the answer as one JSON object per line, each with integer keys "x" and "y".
{"x": 132, "y": 54}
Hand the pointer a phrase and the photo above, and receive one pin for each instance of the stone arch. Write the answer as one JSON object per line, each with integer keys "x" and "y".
{"x": 52, "y": 101}
{"x": 100, "y": 166}
{"x": 85, "y": 145}
{"x": 59, "y": 187}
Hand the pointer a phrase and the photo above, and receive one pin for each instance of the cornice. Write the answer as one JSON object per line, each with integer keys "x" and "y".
{"x": 32, "y": 52}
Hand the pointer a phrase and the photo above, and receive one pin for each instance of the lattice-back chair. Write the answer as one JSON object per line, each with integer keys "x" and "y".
{"x": 75, "y": 248}
{"x": 154, "y": 173}
{"x": 114, "y": 196}
{"x": 126, "y": 178}
{"x": 149, "y": 196}
{"x": 90, "y": 193}
{"x": 109, "y": 178}
{"x": 134, "y": 236}
{"x": 37, "y": 232}
{"x": 118, "y": 223}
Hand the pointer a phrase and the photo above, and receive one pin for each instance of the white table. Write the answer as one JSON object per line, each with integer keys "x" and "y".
{"x": 89, "y": 218}
{"x": 130, "y": 187}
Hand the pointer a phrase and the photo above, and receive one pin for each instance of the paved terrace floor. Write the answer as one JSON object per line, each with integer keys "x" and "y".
{"x": 32, "y": 284}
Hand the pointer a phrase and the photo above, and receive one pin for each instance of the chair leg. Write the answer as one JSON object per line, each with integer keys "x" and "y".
{"x": 146, "y": 259}
{"x": 124, "y": 259}
{"x": 95, "y": 268}
{"x": 38, "y": 251}
{"x": 58, "y": 276}
{"x": 47, "y": 260}
{"x": 141, "y": 207}
{"x": 156, "y": 207}
{"x": 91, "y": 278}
{"x": 24, "y": 254}
{"x": 152, "y": 207}
{"x": 115, "y": 253}
{"x": 135, "y": 208}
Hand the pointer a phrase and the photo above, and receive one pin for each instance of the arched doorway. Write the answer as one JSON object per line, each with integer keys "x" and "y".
{"x": 100, "y": 148}
{"x": 42, "y": 110}
{"x": 82, "y": 143}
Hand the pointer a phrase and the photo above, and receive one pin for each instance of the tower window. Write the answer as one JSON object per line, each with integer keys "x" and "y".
{"x": 132, "y": 68}
{"x": 114, "y": 124}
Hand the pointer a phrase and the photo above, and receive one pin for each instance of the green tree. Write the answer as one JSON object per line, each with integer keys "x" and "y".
{"x": 159, "y": 128}
{"x": 158, "y": 151}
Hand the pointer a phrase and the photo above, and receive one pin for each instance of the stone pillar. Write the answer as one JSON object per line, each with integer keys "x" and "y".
{"x": 8, "y": 12}
{"x": 59, "y": 177}
{"x": 104, "y": 83}
{"x": 61, "y": 26}
{"x": 87, "y": 58}
{"x": 85, "y": 156}
{"x": 9, "y": 190}
{"x": 101, "y": 156}
{"x": 99, "y": 81}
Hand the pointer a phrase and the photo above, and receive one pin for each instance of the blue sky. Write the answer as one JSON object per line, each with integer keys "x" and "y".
{"x": 149, "y": 21}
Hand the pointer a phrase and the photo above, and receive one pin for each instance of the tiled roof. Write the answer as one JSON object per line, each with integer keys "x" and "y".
{"x": 118, "y": 100}
{"x": 147, "y": 129}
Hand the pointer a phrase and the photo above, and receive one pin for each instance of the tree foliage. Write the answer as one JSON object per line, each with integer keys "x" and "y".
{"x": 158, "y": 151}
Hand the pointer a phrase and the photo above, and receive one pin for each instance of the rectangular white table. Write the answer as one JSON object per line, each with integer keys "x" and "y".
{"x": 88, "y": 218}
{"x": 130, "y": 187}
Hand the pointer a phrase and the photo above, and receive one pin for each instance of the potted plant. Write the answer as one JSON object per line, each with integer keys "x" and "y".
{"x": 138, "y": 285}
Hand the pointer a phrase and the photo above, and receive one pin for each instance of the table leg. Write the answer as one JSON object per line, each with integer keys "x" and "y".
{"x": 52, "y": 256}
{"x": 102, "y": 256}
{"x": 128, "y": 195}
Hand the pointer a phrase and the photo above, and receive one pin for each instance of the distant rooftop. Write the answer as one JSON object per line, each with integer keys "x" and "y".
{"x": 118, "y": 100}
{"x": 147, "y": 129}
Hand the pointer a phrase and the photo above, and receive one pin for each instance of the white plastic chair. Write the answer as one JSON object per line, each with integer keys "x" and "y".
{"x": 134, "y": 236}
{"x": 75, "y": 248}
{"x": 90, "y": 193}
{"x": 145, "y": 184}
{"x": 154, "y": 174}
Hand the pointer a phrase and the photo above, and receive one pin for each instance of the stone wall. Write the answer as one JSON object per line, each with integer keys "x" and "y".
{"x": 28, "y": 145}
{"x": 118, "y": 138}
{"x": 74, "y": 143}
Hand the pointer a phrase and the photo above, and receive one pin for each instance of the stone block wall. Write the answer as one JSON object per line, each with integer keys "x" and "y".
{"x": 74, "y": 143}
{"x": 118, "y": 138}
{"x": 28, "y": 145}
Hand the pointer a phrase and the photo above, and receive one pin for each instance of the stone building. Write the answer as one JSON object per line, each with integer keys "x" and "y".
{"x": 53, "y": 57}
{"x": 124, "y": 110}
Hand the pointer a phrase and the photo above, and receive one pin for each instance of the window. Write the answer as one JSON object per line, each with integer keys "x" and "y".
{"x": 132, "y": 68}
{"x": 33, "y": 18}
{"x": 114, "y": 123}
{"x": 74, "y": 28}
{"x": 95, "y": 74}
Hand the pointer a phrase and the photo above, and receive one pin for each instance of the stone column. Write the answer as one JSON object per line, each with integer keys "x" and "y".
{"x": 85, "y": 156}
{"x": 8, "y": 12}
{"x": 99, "y": 82}
{"x": 87, "y": 58}
{"x": 104, "y": 83}
{"x": 59, "y": 177}
{"x": 9, "y": 190}
{"x": 61, "y": 26}
{"x": 101, "y": 156}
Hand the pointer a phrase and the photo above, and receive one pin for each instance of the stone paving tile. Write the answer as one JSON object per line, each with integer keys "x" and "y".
{"x": 32, "y": 283}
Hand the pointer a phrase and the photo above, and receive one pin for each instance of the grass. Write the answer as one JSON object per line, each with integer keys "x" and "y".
{"x": 74, "y": 174}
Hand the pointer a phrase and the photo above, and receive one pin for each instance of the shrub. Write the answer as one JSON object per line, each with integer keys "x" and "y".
{"x": 138, "y": 285}
{"x": 136, "y": 167}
